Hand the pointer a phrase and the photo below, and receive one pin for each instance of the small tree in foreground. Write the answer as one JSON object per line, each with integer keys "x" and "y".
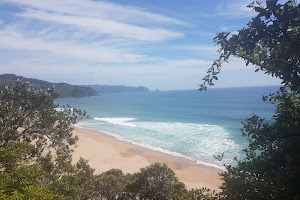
{"x": 112, "y": 185}
{"x": 271, "y": 42}
{"x": 35, "y": 141}
{"x": 156, "y": 182}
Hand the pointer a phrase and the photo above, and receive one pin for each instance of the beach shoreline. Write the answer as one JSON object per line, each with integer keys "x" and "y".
{"x": 105, "y": 152}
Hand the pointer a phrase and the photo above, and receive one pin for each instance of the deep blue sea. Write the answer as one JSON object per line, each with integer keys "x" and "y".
{"x": 191, "y": 124}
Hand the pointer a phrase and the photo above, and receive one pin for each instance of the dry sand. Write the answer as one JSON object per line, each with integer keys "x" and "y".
{"x": 104, "y": 152}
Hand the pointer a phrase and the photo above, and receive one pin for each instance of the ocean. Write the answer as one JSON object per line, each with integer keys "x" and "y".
{"x": 188, "y": 123}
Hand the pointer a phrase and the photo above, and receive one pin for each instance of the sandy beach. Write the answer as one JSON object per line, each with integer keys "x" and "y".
{"x": 104, "y": 152}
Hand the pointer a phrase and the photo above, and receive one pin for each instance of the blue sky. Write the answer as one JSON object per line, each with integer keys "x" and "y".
{"x": 164, "y": 44}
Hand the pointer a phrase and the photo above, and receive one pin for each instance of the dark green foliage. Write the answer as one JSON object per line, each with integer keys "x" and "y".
{"x": 156, "y": 182}
{"x": 272, "y": 164}
{"x": 67, "y": 90}
{"x": 20, "y": 179}
{"x": 32, "y": 193}
{"x": 201, "y": 194}
{"x": 78, "y": 182}
{"x": 62, "y": 89}
{"x": 16, "y": 172}
{"x": 29, "y": 115}
{"x": 112, "y": 184}
{"x": 35, "y": 141}
{"x": 6, "y": 79}
{"x": 271, "y": 42}
{"x": 12, "y": 155}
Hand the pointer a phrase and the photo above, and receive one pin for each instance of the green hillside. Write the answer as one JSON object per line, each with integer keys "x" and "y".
{"x": 117, "y": 89}
{"x": 63, "y": 89}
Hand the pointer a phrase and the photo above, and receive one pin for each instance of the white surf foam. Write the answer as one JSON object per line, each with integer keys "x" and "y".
{"x": 196, "y": 142}
{"x": 147, "y": 146}
{"x": 118, "y": 121}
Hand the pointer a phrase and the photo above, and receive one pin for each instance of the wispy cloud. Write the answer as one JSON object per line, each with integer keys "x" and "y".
{"x": 237, "y": 9}
{"x": 102, "y": 26}
{"x": 204, "y": 49}
{"x": 99, "y": 9}
{"x": 236, "y": 64}
{"x": 93, "y": 31}
{"x": 98, "y": 41}
{"x": 170, "y": 72}
{"x": 12, "y": 40}
{"x": 102, "y": 17}
{"x": 187, "y": 63}
{"x": 234, "y": 9}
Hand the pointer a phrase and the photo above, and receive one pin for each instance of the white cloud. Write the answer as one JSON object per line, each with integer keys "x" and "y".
{"x": 101, "y": 26}
{"x": 99, "y": 9}
{"x": 167, "y": 74}
{"x": 162, "y": 75}
{"x": 171, "y": 72}
{"x": 238, "y": 8}
{"x": 203, "y": 49}
{"x": 13, "y": 40}
{"x": 234, "y": 8}
{"x": 84, "y": 30}
{"x": 237, "y": 64}
{"x": 99, "y": 42}
{"x": 100, "y": 18}
{"x": 187, "y": 63}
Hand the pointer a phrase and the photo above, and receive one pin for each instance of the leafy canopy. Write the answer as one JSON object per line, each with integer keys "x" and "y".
{"x": 271, "y": 42}
{"x": 35, "y": 141}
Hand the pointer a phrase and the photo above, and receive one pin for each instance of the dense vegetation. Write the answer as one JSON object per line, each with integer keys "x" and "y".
{"x": 271, "y": 42}
{"x": 63, "y": 89}
{"x": 117, "y": 89}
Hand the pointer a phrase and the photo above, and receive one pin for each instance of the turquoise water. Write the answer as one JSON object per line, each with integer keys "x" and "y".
{"x": 191, "y": 124}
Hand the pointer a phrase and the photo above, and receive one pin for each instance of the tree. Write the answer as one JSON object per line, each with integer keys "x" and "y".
{"x": 78, "y": 183}
{"x": 156, "y": 182}
{"x": 112, "y": 185}
{"x": 201, "y": 194}
{"x": 35, "y": 141}
{"x": 271, "y": 42}
{"x": 29, "y": 115}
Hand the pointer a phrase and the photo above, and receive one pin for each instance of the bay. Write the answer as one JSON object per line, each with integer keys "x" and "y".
{"x": 188, "y": 123}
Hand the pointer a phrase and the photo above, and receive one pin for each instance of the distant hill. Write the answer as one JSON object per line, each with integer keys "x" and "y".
{"x": 117, "y": 89}
{"x": 63, "y": 89}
